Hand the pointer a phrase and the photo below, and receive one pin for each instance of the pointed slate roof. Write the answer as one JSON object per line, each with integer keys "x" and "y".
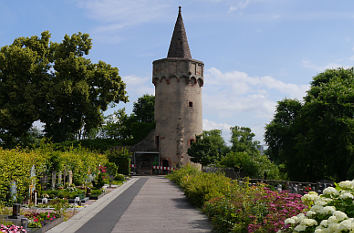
{"x": 179, "y": 44}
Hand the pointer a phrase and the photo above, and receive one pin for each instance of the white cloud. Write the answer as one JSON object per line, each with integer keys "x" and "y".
{"x": 239, "y": 5}
{"x": 122, "y": 13}
{"x": 236, "y": 98}
{"x": 209, "y": 125}
{"x": 321, "y": 68}
{"x": 138, "y": 86}
{"x": 224, "y": 127}
{"x": 114, "y": 15}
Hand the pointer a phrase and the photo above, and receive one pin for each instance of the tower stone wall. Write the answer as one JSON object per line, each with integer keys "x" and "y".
{"x": 178, "y": 106}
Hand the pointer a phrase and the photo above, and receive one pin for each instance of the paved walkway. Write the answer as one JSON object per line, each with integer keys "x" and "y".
{"x": 142, "y": 205}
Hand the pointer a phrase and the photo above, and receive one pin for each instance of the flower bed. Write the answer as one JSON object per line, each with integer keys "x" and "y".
{"x": 12, "y": 229}
{"x": 237, "y": 207}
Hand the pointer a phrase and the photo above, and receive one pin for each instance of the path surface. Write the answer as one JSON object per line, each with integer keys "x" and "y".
{"x": 145, "y": 205}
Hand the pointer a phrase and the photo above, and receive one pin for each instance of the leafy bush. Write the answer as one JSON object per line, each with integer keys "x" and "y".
{"x": 121, "y": 157}
{"x": 119, "y": 177}
{"x": 98, "y": 144}
{"x": 99, "y": 182}
{"x": 95, "y": 193}
{"x": 256, "y": 166}
{"x": 177, "y": 175}
{"x": 332, "y": 211}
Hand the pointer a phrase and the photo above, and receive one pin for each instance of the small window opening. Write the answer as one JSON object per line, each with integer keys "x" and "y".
{"x": 191, "y": 141}
{"x": 190, "y": 104}
{"x": 157, "y": 142}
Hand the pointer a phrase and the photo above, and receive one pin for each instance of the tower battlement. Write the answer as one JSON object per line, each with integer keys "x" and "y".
{"x": 180, "y": 68}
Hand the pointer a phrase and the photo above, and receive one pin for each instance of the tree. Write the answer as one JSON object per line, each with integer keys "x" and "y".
{"x": 318, "y": 135}
{"x": 245, "y": 158}
{"x": 131, "y": 129}
{"x": 242, "y": 140}
{"x": 280, "y": 131}
{"x": 208, "y": 148}
{"x": 144, "y": 109}
{"x": 54, "y": 83}
{"x": 24, "y": 70}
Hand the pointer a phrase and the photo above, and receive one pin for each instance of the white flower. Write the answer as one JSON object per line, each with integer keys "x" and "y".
{"x": 346, "y": 225}
{"x": 324, "y": 223}
{"x": 309, "y": 222}
{"x": 310, "y": 213}
{"x": 346, "y": 184}
{"x": 328, "y": 210}
{"x": 317, "y": 208}
{"x": 289, "y": 221}
{"x": 346, "y": 195}
{"x": 322, "y": 201}
{"x": 333, "y": 227}
{"x": 311, "y": 196}
{"x": 301, "y": 216}
{"x": 340, "y": 215}
{"x": 300, "y": 227}
{"x": 332, "y": 220}
{"x": 330, "y": 191}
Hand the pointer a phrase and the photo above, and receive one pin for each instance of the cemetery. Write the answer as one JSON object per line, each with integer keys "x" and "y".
{"x": 41, "y": 187}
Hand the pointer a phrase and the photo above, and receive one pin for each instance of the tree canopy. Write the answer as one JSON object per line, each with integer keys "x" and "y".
{"x": 130, "y": 129}
{"x": 208, "y": 148}
{"x": 54, "y": 83}
{"x": 314, "y": 139}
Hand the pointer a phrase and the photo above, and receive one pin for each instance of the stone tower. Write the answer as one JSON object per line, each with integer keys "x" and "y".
{"x": 178, "y": 81}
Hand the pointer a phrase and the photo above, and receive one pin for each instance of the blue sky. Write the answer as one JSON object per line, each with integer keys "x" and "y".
{"x": 256, "y": 52}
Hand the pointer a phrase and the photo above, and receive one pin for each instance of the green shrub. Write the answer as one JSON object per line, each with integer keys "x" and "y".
{"x": 199, "y": 186}
{"x": 121, "y": 157}
{"x": 95, "y": 193}
{"x": 98, "y": 182}
{"x": 119, "y": 177}
{"x": 177, "y": 175}
{"x": 253, "y": 166}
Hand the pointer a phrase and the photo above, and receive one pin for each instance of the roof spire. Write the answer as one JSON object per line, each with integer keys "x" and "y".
{"x": 179, "y": 44}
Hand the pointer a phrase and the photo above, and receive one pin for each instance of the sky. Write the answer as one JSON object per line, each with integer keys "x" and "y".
{"x": 256, "y": 52}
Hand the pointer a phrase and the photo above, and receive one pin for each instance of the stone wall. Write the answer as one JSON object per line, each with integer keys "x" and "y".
{"x": 178, "y": 106}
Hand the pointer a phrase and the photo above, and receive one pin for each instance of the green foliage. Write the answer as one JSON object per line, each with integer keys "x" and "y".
{"x": 54, "y": 83}
{"x": 199, "y": 186}
{"x": 144, "y": 108}
{"x": 119, "y": 177}
{"x": 112, "y": 169}
{"x": 245, "y": 158}
{"x": 308, "y": 137}
{"x": 242, "y": 140}
{"x": 98, "y": 144}
{"x": 208, "y": 148}
{"x": 95, "y": 193}
{"x": 129, "y": 130}
{"x": 63, "y": 193}
{"x": 60, "y": 205}
{"x": 16, "y": 164}
{"x": 256, "y": 166}
{"x": 98, "y": 182}
{"x": 121, "y": 157}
